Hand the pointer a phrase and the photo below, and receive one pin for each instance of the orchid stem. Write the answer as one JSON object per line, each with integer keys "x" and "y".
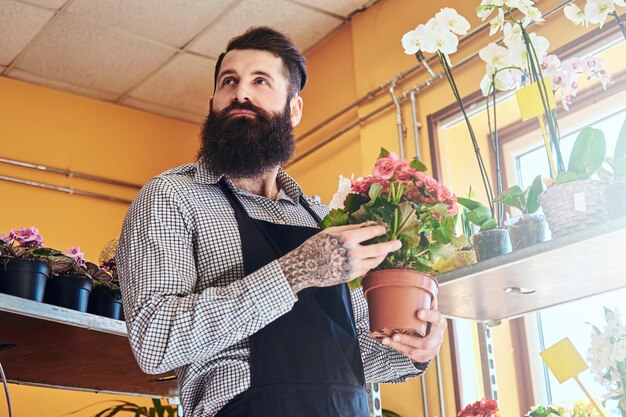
{"x": 620, "y": 22}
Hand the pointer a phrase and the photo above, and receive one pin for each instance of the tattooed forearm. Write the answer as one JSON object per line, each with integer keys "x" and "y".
{"x": 321, "y": 261}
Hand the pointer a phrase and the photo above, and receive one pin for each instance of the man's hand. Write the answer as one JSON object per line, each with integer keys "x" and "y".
{"x": 420, "y": 349}
{"x": 335, "y": 255}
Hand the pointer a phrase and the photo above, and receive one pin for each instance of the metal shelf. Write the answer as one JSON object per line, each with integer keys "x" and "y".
{"x": 60, "y": 348}
{"x": 561, "y": 270}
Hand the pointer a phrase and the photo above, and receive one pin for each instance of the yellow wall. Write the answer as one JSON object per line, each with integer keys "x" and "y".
{"x": 66, "y": 131}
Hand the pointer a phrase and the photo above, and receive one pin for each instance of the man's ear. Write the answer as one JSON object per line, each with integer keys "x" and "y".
{"x": 295, "y": 105}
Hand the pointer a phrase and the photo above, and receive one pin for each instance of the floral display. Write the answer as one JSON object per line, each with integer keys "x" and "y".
{"x": 482, "y": 408}
{"x": 414, "y": 207}
{"x": 607, "y": 357}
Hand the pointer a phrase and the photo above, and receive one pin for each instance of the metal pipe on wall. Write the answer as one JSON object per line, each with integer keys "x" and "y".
{"x": 399, "y": 122}
{"x": 69, "y": 173}
{"x": 424, "y": 397}
{"x": 415, "y": 125}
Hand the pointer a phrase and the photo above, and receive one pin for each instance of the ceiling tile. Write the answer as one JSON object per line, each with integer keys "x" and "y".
{"x": 60, "y": 85}
{"x": 342, "y": 8}
{"x": 83, "y": 53}
{"x": 52, "y": 4}
{"x": 305, "y": 26}
{"x": 19, "y": 23}
{"x": 173, "y": 22}
{"x": 162, "y": 110}
{"x": 185, "y": 83}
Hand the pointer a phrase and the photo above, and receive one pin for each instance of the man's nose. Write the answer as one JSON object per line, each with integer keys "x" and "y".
{"x": 241, "y": 94}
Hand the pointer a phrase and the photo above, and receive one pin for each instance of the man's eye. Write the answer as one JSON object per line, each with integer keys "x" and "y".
{"x": 261, "y": 81}
{"x": 228, "y": 81}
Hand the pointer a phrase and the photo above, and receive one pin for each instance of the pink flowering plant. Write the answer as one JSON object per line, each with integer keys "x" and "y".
{"x": 414, "y": 208}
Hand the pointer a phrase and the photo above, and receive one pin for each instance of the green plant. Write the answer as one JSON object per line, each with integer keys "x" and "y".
{"x": 414, "y": 208}
{"x": 587, "y": 156}
{"x": 541, "y": 411}
{"x": 389, "y": 413}
{"x": 526, "y": 201}
{"x": 618, "y": 161}
{"x": 126, "y": 407}
{"x": 477, "y": 214}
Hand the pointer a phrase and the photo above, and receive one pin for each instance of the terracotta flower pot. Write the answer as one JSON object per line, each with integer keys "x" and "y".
{"x": 393, "y": 297}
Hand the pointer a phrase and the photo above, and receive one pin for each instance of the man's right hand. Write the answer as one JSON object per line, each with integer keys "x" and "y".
{"x": 335, "y": 255}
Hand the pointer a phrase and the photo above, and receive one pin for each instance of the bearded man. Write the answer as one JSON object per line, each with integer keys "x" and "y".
{"x": 226, "y": 278}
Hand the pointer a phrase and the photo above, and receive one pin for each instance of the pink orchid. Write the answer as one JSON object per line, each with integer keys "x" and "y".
{"x": 27, "y": 237}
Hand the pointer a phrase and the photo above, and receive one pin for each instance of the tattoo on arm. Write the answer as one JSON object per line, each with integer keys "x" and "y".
{"x": 321, "y": 261}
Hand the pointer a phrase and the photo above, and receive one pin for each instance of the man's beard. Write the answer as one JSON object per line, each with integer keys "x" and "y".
{"x": 244, "y": 147}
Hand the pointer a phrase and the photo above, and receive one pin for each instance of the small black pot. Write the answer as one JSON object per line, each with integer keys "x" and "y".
{"x": 69, "y": 291}
{"x": 491, "y": 243}
{"x": 24, "y": 278}
{"x": 107, "y": 302}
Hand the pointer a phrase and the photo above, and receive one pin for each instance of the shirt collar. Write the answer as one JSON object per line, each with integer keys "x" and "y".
{"x": 288, "y": 188}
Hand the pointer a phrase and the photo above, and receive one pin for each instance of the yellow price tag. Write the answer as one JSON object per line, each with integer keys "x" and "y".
{"x": 564, "y": 360}
{"x": 529, "y": 100}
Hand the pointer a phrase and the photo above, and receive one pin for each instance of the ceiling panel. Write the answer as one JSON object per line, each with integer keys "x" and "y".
{"x": 342, "y": 8}
{"x": 165, "y": 111}
{"x": 19, "y": 23}
{"x": 173, "y": 22}
{"x": 78, "y": 51}
{"x": 304, "y": 25}
{"x": 60, "y": 85}
{"x": 53, "y": 4}
{"x": 185, "y": 83}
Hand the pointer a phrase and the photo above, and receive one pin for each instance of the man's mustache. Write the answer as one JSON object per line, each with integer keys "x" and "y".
{"x": 246, "y": 105}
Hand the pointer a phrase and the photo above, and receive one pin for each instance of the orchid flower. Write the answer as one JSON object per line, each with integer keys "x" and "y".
{"x": 439, "y": 34}
{"x": 597, "y": 11}
{"x": 574, "y": 14}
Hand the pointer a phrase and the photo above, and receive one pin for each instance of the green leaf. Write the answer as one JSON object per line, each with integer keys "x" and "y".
{"x": 488, "y": 225}
{"x": 353, "y": 202}
{"x": 619, "y": 166}
{"x": 568, "y": 176}
{"x": 469, "y": 203}
{"x": 336, "y": 217}
{"x": 479, "y": 215}
{"x": 418, "y": 165}
{"x": 374, "y": 192}
{"x": 408, "y": 222}
{"x": 383, "y": 152}
{"x": 532, "y": 195}
{"x": 588, "y": 152}
{"x": 513, "y": 197}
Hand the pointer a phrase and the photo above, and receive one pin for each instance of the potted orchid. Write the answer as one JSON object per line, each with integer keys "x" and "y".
{"x": 22, "y": 272}
{"x": 607, "y": 357}
{"x": 418, "y": 211}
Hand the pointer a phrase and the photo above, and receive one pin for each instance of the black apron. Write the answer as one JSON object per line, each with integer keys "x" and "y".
{"x": 306, "y": 363}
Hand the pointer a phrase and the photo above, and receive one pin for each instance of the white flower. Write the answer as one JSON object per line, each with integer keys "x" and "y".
{"x": 596, "y": 11}
{"x": 411, "y": 41}
{"x": 619, "y": 350}
{"x": 496, "y": 23}
{"x": 574, "y": 14}
{"x": 521, "y": 5}
{"x": 535, "y": 14}
{"x": 494, "y": 55}
{"x": 345, "y": 185}
{"x": 486, "y": 7}
{"x": 620, "y": 3}
{"x": 511, "y": 33}
{"x": 448, "y": 18}
{"x": 440, "y": 40}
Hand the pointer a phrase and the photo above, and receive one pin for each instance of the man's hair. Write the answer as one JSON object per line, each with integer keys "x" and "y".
{"x": 267, "y": 39}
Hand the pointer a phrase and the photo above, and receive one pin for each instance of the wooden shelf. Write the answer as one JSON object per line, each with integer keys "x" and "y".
{"x": 60, "y": 348}
{"x": 561, "y": 270}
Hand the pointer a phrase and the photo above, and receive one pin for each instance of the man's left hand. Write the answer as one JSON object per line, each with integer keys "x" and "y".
{"x": 420, "y": 349}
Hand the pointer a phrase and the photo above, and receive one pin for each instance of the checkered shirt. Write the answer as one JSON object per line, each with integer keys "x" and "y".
{"x": 189, "y": 307}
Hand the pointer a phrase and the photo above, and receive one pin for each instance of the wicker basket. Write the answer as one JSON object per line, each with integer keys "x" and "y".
{"x": 574, "y": 206}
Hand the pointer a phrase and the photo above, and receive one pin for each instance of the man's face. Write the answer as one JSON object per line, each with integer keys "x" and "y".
{"x": 249, "y": 130}
{"x": 255, "y": 76}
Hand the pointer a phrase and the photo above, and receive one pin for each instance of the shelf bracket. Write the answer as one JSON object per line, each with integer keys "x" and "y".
{"x": 487, "y": 359}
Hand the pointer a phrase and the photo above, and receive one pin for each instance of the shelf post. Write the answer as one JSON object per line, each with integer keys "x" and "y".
{"x": 373, "y": 400}
{"x": 487, "y": 359}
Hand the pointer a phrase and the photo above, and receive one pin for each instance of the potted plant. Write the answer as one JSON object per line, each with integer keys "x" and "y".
{"x": 615, "y": 190}
{"x": 106, "y": 297}
{"x": 530, "y": 227}
{"x": 490, "y": 241}
{"x": 418, "y": 211}
{"x": 22, "y": 273}
{"x": 70, "y": 284}
{"x": 575, "y": 201}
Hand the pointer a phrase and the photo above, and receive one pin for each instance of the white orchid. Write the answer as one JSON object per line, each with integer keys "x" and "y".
{"x": 496, "y": 23}
{"x": 574, "y": 14}
{"x": 439, "y": 34}
{"x": 511, "y": 32}
{"x": 451, "y": 20}
{"x": 597, "y": 11}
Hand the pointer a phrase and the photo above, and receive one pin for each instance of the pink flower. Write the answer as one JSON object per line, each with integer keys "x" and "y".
{"x": 27, "y": 237}
{"x": 385, "y": 166}
{"x": 5, "y": 239}
{"x": 77, "y": 254}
